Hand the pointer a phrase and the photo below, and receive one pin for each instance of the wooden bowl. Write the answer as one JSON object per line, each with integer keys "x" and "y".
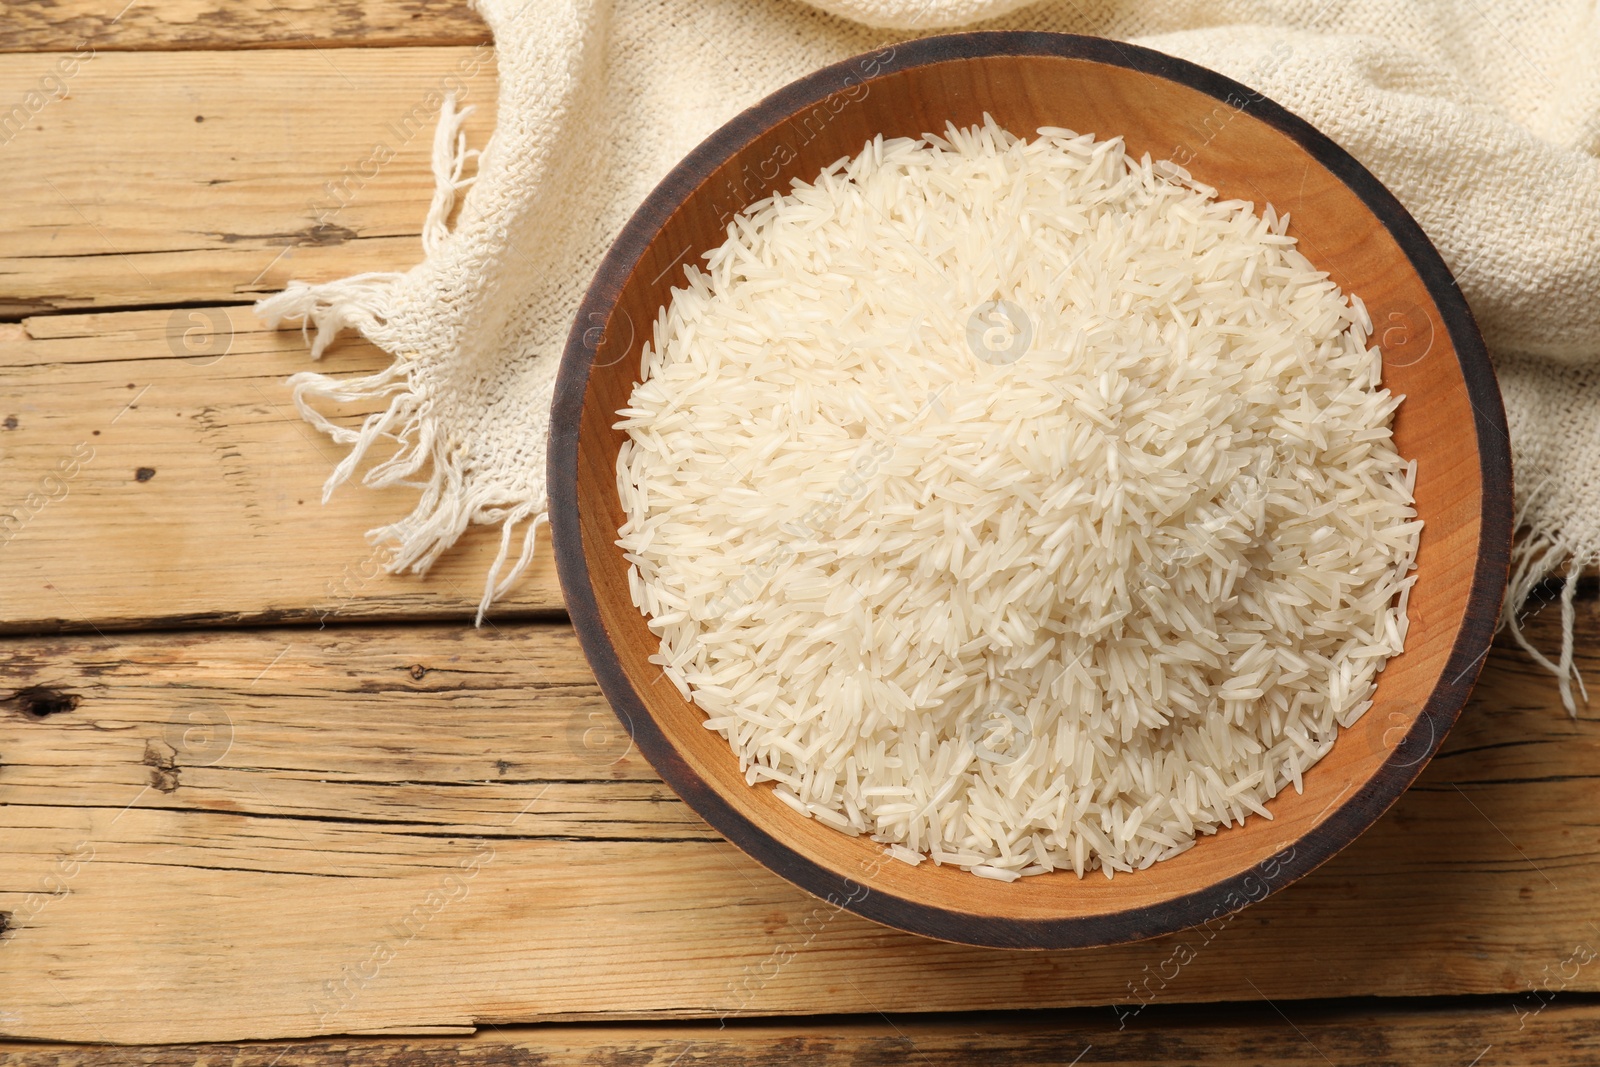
{"x": 1228, "y": 136}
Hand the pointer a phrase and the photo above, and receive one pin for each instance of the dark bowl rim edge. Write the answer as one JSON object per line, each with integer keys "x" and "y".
{"x": 1220, "y": 899}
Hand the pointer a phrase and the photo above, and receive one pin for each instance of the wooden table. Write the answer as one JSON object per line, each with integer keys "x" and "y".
{"x": 257, "y": 791}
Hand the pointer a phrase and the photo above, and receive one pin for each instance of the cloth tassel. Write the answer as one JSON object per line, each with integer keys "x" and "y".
{"x": 494, "y": 590}
{"x": 446, "y": 506}
{"x": 450, "y": 156}
{"x": 361, "y": 301}
{"x": 1534, "y": 559}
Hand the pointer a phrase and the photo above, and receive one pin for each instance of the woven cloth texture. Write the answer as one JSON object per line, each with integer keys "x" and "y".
{"x": 1482, "y": 117}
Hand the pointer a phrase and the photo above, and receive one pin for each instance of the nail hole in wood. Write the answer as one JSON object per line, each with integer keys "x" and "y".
{"x": 40, "y": 701}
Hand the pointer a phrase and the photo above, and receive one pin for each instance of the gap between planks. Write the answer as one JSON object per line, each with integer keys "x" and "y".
{"x": 181, "y": 177}
{"x": 1476, "y": 1032}
{"x": 302, "y": 798}
{"x": 182, "y": 489}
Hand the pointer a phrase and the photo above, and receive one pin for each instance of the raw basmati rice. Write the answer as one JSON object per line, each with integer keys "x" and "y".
{"x": 1017, "y": 502}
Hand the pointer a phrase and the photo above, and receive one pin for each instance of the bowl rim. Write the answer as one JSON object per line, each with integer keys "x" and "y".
{"x": 1217, "y": 899}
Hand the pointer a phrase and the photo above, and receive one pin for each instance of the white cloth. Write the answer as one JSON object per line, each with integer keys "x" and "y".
{"x": 1482, "y": 116}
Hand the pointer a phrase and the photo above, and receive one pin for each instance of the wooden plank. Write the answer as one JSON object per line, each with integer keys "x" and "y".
{"x": 1477, "y": 1033}
{"x": 217, "y": 24}
{"x": 161, "y": 178}
{"x": 391, "y": 828}
{"x": 153, "y": 472}
{"x": 229, "y": 527}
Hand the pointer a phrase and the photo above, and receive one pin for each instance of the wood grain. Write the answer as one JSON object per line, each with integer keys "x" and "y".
{"x": 237, "y": 24}
{"x": 355, "y": 763}
{"x": 257, "y": 813}
{"x": 1486, "y": 1034}
{"x": 1450, "y": 424}
{"x": 165, "y": 178}
{"x": 226, "y": 525}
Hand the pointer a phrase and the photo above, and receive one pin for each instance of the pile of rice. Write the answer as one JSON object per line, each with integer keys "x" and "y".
{"x": 1017, "y": 503}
